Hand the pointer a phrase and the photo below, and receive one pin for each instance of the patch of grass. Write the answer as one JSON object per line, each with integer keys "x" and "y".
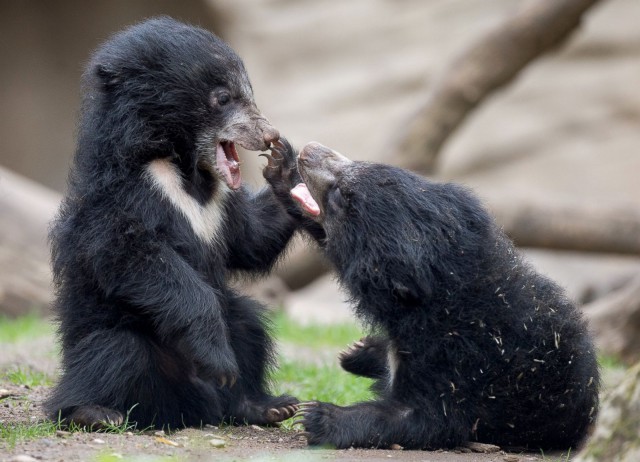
{"x": 11, "y": 433}
{"x": 610, "y": 362}
{"x": 294, "y": 456}
{"x": 315, "y": 381}
{"x": 27, "y": 377}
{"x": 14, "y": 432}
{"x": 564, "y": 457}
{"x": 314, "y": 336}
{"x": 26, "y": 327}
{"x": 124, "y": 427}
{"x": 311, "y": 382}
{"x": 117, "y": 457}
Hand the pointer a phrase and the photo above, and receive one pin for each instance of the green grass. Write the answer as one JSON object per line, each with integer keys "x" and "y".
{"x": 12, "y": 433}
{"x": 610, "y": 362}
{"x": 23, "y": 328}
{"x": 115, "y": 457}
{"x": 564, "y": 457}
{"x": 310, "y": 382}
{"x": 26, "y": 376}
{"x": 314, "y": 336}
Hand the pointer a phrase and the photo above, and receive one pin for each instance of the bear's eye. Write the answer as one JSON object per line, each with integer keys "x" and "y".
{"x": 335, "y": 199}
{"x": 223, "y": 98}
{"x": 219, "y": 98}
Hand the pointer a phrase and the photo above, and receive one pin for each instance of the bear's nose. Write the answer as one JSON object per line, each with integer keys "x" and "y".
{"x": 270, "y": 135}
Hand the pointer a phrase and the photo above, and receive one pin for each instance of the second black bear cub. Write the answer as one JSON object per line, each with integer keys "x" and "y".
{"x": 471, "y": 343}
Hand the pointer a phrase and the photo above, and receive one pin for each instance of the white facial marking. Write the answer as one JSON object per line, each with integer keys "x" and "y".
{"x": 238, "y": 122}
{"x": 205, "y": 220}
{"x": 245, "y": 88}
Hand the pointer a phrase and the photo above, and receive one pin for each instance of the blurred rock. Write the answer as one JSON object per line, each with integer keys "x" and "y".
{"x": 615, "y": 322}
{"x": 617, "y": 433}
{"x": 270, "y": 291}
{"x": 302, "y": 264}
{"x": 321, "y": 302}
{"x": 25, "y": 277}
{"x": 585, "y": 276}
{"x": 348, "y": 73}
{"x": 22, "y": 458}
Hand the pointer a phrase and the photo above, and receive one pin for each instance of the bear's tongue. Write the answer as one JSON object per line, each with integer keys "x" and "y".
{"x": 302, "y": 195}
{"x": 228, "y": 163}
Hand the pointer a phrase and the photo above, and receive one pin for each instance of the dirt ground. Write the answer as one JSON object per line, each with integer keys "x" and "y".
{"x": 238, "y": 443}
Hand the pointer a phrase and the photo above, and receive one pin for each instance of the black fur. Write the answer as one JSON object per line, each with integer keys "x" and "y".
{"x": 482, "y": 347}
{"x": 148, "y": 322}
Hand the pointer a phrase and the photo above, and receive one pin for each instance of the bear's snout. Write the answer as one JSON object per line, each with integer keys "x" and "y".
{"x": 317, "y": 153}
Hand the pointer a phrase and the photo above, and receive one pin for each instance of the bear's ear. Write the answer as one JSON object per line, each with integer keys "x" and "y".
{"x": 406, "y": 294}
{"x": 108, "y": 75}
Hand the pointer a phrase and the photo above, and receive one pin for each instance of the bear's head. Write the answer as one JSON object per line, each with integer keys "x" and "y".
{"x": 376, "y": 220}
{"x": 170, "y": 89}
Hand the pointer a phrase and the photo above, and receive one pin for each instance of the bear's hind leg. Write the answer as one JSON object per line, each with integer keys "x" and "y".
{"x": 94, "y": 417}
{"x": 100, "y": 372}
{"x": 118, "y": 374}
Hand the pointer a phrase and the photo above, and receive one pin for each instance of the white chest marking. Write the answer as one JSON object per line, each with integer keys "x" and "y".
{"x": 205, "y": 220}
{"x": 392, "y": 363}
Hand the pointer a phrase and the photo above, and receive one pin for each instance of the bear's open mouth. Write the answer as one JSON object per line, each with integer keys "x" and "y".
{"x": 302, "y": 195}
{"x": 228, "y": 163}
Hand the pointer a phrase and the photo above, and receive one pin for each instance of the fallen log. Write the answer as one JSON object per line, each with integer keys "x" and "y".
{"x": 579, "y": 227}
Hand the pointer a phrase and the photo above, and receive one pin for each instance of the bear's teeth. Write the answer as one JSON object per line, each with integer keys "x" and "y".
{"x": 227, "y": 164}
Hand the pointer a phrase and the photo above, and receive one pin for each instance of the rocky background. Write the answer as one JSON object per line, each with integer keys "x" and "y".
{"x": 562, "y": 140}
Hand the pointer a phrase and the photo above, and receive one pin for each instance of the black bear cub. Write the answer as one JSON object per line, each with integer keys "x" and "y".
{"x": 154, "y": 223}
{"x": 470, "y": 342}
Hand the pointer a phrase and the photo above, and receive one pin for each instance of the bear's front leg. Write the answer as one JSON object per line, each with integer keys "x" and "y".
{"x": 367, "y": 357}
{"x": 281, "y": 171}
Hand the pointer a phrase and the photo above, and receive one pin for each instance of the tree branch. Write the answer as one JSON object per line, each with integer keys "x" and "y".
{"x": 536, "y": 27}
